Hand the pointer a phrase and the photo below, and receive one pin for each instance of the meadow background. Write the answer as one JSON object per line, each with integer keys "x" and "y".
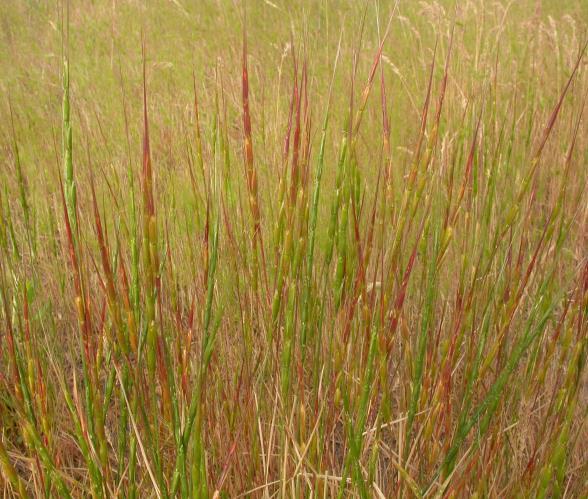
{"x": 308, "y": 249}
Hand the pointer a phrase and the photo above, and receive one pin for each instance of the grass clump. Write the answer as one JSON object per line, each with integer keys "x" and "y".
{"x": 286, "y": 254}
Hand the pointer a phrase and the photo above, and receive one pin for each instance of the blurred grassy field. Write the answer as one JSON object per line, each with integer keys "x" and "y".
{"x": 431, "y": 343}
{"x": 536, "y": 42}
